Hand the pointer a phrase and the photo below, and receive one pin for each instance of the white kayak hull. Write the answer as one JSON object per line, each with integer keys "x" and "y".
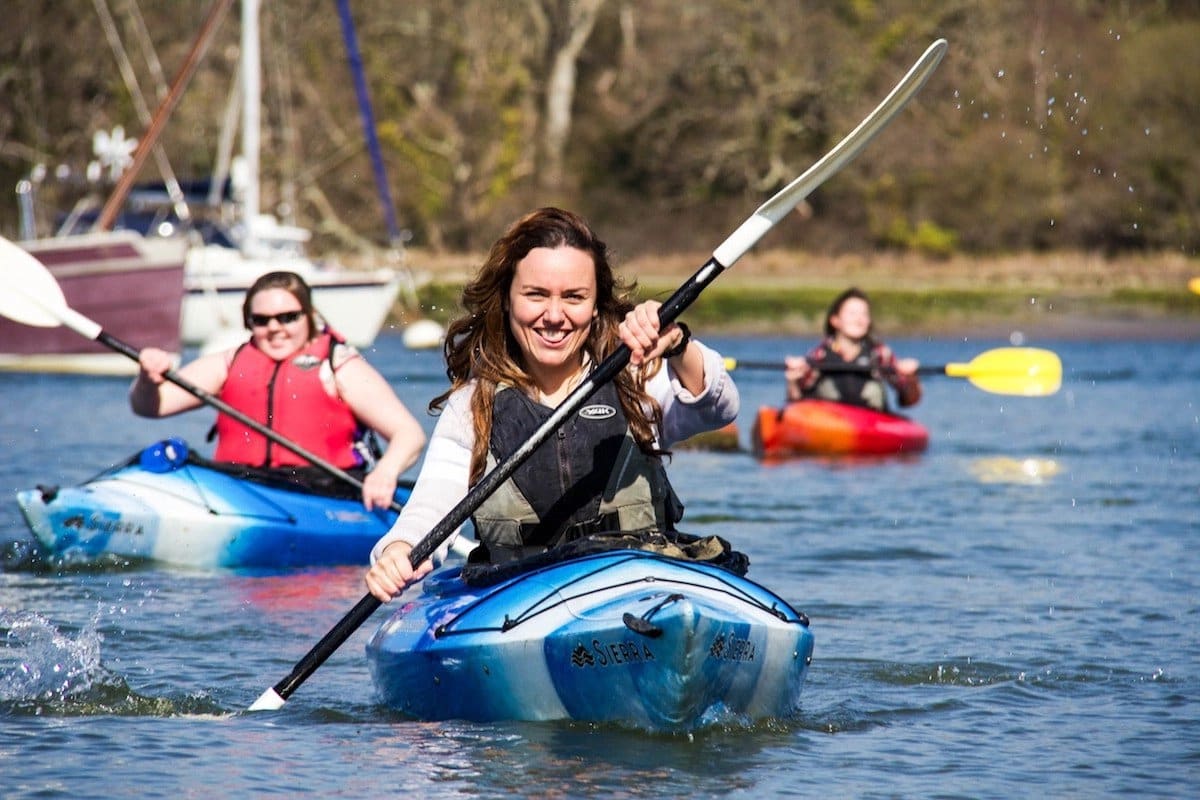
{"x": 626, "y": 636}
{"x": 192, "y": 515}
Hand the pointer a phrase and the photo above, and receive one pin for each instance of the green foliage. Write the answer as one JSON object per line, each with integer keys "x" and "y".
{"x": 927, "y": 238}
{"x": 768, "y": 307}
{"x": 933, "y": 240}
{"x": 440, "y": 301}
{"x": 1048, "y": 125}
{"x": 1177, "y": 302}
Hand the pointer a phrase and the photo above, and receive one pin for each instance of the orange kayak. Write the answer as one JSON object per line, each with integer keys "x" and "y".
{"x": 822, "y": 427}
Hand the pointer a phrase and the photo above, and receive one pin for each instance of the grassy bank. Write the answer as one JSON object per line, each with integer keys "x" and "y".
{"x": 781, "y": 292}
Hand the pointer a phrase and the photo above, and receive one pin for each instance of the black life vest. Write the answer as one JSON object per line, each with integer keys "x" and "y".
{"x": 591, "y": 476}
{"x": 857, "y": 388}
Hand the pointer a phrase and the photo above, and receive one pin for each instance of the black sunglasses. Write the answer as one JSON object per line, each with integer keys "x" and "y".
{"x": 284, "y": 318}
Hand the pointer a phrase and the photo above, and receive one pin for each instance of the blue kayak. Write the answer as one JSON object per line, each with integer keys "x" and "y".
{"x": 624, "y": 636}
{"x": 168, "y": 505}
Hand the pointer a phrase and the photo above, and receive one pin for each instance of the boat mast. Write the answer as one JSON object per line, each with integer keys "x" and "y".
{"x": 354, "y": 57}
{"x": 251, "y": 118}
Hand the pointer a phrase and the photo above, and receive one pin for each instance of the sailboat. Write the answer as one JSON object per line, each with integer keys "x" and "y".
{"x": 355, "y": 303}
{"x": 130, "y": 284}
{"x": 127, "y": 281}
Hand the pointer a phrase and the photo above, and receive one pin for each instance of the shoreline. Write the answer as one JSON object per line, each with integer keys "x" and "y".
{"x": 1015, "y": 330}
{"x": 1057, "y": 295}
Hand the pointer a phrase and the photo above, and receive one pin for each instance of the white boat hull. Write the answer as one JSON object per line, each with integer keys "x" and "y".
{"x": 355, "y": 303}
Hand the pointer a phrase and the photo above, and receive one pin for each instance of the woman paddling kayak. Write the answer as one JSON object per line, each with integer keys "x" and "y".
{"x": 297, "y": 378}
{"x": 544, "y": 308}
{"x": 849, "y": 342}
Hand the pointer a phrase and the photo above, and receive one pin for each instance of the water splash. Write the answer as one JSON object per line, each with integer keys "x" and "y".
{"x": 41, "y": 663}
{"x": 46, "y": 672}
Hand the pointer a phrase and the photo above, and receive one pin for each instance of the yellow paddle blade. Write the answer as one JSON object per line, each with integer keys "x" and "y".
{"x": 1194, "y": 285}
{"x": 1024, "y": 371}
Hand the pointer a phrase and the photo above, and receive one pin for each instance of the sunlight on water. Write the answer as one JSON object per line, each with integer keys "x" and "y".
{"x": 1003, "y": 469}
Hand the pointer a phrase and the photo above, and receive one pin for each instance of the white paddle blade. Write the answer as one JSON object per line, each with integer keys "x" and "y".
{"x": 268, "y": 701}
{"x": 27, "y": 289}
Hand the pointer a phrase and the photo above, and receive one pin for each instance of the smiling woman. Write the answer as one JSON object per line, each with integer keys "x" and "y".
{"x": 298, "y": 378}
{"x": 544, "y": 308}
{"x": 552, "y": 303}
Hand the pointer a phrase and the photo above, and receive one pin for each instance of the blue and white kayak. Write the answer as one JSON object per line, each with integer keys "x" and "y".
{"x": 623, "y": 636}
{"x": 166, "y": 506}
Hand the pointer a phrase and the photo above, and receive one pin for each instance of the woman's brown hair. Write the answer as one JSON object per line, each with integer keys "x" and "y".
{"x": 835, "y": 308}
{"x": 480, "y": 346}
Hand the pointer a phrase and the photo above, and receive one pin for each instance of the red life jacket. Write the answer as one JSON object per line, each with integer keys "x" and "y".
{"x": 289, "y": 398}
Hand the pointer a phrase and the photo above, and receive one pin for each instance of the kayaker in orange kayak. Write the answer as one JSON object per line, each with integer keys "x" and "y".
{"x": 850, "y": 365}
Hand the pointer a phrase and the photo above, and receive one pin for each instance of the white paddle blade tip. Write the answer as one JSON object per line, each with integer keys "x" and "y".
{"x": 268, "y": 701}
{"x": 31, "y": 295}
{"x": 741, "y": 240}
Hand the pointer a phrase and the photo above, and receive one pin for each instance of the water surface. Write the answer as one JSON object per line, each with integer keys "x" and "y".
{"x": 1013, "y": 613}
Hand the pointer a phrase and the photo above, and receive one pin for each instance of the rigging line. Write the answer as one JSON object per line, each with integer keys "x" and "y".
{"x": 121, "y": 191}
{"x": 354, "y": 56}
{"x": 134, "y": 13}
{"x": 280, "y": 93}
{"x": 174, "y": 190}
{"x": 225, "y": 142}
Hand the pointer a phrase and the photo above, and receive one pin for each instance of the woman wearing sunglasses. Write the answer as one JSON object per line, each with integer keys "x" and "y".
{"x": 297, "y": 378}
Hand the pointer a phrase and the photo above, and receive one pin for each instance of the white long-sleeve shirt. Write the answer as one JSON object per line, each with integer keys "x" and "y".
{"x": 443, "y": 481}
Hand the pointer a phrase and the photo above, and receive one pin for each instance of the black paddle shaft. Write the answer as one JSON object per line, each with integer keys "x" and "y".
{"x": 750, "y": 231}
{"x": 219, "y": 404}
{"x": 683, "y": 297}
{"x": 830, "y": 367}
